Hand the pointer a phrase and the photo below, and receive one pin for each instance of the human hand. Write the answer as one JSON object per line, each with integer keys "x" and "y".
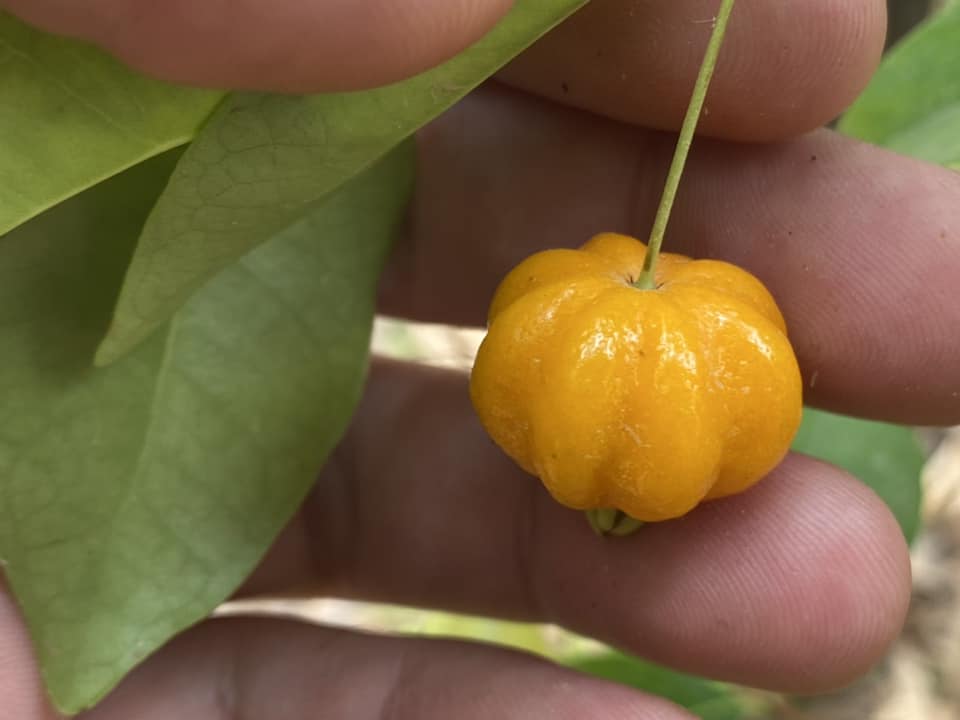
{"x": 799, "y": 584}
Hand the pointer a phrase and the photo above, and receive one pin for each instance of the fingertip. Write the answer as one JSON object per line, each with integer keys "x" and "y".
{"x": 845, "y": 46}
{"x": 827, "y": 595}
{"x": 861, "y": 586}
{"x": 799, "y": 585}
{"x": 785, "y": 68}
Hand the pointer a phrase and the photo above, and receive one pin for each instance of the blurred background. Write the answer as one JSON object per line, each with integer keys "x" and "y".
{"x": 918, "y": 680}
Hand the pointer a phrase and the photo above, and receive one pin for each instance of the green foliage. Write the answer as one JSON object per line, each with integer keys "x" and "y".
{"x": 888, "y": 458}
{"x": 704, "y": 698}
{"x": 136, "y": 498}
{"x": 264, "y": 160}
{"x": 71, "y": 117}
{"x": 912, "y": 105}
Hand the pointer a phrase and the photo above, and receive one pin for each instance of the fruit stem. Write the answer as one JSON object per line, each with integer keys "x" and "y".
{"x": 610, "y": 521}
{"x": 647, "y": 281}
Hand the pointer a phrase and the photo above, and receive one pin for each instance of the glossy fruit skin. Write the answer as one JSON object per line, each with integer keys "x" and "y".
{"x": 646, "y": 401}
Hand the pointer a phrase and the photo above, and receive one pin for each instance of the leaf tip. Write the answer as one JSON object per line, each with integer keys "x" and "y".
{"x": 70, "y": 695}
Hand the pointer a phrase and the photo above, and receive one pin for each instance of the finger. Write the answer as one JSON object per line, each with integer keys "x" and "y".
{"x": 22, "y": 695}
{"x": 292, "y": 45}
{"x": 799, "y": 584}
{"x": 860, "y": 247}
{"x": 282, "y": 670}
{"x": 785, "y": 67}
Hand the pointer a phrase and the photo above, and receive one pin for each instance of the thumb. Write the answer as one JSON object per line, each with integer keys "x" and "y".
{"x": 277, "y": 45}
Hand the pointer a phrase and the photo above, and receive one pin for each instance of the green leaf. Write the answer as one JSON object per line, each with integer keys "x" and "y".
{"x": 888, "y": 458}
{"x": 264, "y": 161}
{"x": 704, "y": 698}
{"x": 71, "y": 117}
{"x": 134, "y": 499}
{"x": 912, "y": 105}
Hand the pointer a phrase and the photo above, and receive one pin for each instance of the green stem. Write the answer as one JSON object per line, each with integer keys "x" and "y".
{"x": 610, "y": 521}
{"x": 646, "y": 280}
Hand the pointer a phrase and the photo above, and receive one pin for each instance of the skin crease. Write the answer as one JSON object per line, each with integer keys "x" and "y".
{"x": 396, "y": 517}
